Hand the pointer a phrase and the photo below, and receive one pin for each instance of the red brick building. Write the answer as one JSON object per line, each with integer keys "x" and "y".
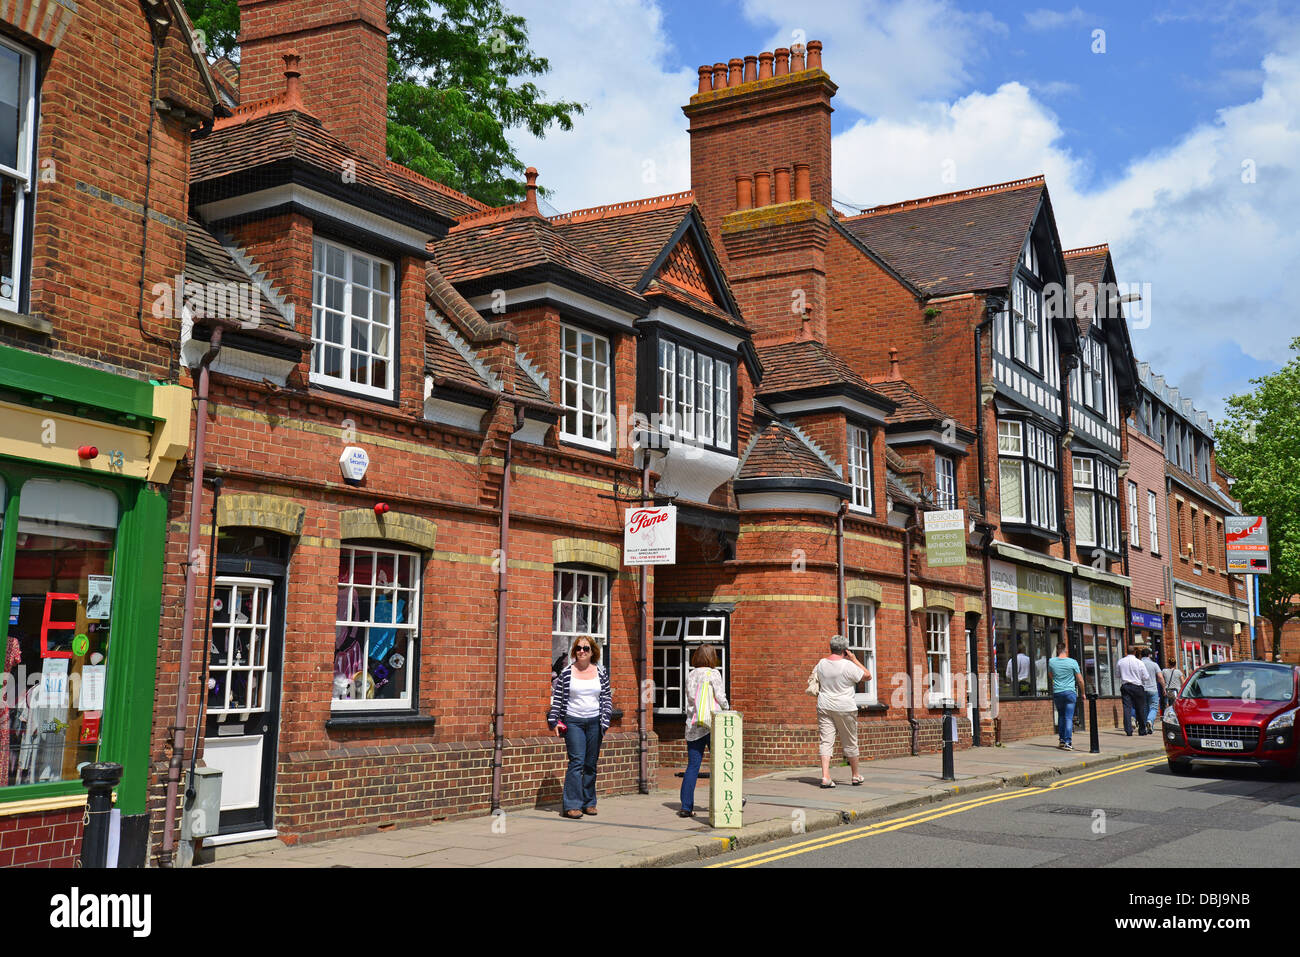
{"x": 93, "y": 194}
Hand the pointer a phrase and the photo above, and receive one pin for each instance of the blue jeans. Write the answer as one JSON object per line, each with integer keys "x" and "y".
{"x": 582, "y": 738}
{"x": 694, "y": 758}
{"x": 1153, "y": 706}
{"x": 1065, "y": 702}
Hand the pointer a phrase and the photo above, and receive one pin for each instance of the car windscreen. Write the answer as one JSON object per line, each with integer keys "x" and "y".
{"x": 1242, "y": 681}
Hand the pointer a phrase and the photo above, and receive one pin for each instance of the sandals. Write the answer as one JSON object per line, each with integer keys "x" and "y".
{"x": 858, "y": 779}
{"x": 827, "y": 784}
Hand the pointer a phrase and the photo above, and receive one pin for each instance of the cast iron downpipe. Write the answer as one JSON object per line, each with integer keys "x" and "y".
{"x": 187, "y": 621}
{"x": 841, "y": 611}
{"x": 503, "y": 588}
{"x": 907, "y": 636}
{"x": 990, "y": 314}
{"x": 643, "y": 737}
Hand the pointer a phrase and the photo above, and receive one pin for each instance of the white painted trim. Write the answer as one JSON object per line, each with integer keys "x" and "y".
{"x": 549, "y": 290}
{"x": 792, "y": 501}
{"x": 234, "y": 362}
{"x": 841, "y": 403}
{"x": 931, "y": 436}
{"x": 316, "y": 202}
{"x": 533, "y": 431}
{"x": 688, "y": 324}
{"x": 241, "y": 837}
{"x": 448, "y": 412}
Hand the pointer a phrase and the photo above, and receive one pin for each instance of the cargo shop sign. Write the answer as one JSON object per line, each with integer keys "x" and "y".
{"x": 650, "y": 536}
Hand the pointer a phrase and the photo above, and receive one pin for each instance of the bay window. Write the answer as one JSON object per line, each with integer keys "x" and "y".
{"x": 17, "y": 144}
{"x": 1090, "y": 377}
{"x": 860, "y": 467}
{"x": 1027, "y": 310}
{"x": 675, "y": 640}
{"x": 585, "y": 387}
{"x": 1027, "y": 474}
{"x": 1096, "y": 503}
{"x": 376, "y": 629}
{"x": 695, "y": 397}
{"x": 352, "y": 326}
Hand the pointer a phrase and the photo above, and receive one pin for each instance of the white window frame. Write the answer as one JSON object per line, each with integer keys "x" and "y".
{"x": 859, "y": 462}
{"x": 592, "y": 427}
{"x": 861, "y": 634}
{"x": 597, "y": 598}
{"x": 258, "y": 629}
{"x": 945, "y": 482}
{"x": 22, "y": 175}
{"x": 677, "y": 637}
{"x": 412, "y": 593}
{"x": 1033, "y": 450}
{"x": 694, "y": 395}
{"x": 347, "y": 317}
{"x": 686, "y": 391}
{"x": 667, "y": 386}
{"x": 704, "y": 406}
{"x": 722, "y": 404}
{"x": 1134, "y": 528}
{"x": 938, "y": 648}
{"x": 1153, "y": 511}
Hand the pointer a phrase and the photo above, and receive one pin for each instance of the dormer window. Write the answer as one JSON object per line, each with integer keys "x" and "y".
{"x": 1027, "y": 311}
{"x": 352, "y": 309}
{"x": 695, "y": 394}
{"x": 860, "y": 467}
{"x": 585, "y": 378}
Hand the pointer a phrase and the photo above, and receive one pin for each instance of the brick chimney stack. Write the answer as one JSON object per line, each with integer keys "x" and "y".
{"x": 343, "y": 49}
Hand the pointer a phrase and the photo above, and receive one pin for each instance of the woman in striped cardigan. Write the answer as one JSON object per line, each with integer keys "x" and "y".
{"x": 581, "y": 705}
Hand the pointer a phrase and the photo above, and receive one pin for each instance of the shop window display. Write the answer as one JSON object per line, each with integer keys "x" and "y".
{"x": 376, "y": 629}
{"x": 60, "y": 614}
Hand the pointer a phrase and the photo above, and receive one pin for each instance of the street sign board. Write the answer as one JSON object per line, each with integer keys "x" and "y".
{"x": 650, "y": 536}
{"x": 1246, "y": 544}
{"x": 945, "y": 538}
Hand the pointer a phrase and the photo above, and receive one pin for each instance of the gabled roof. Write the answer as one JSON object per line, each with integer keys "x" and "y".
{"x": 1093, "y": 265}
{"x": 806, "y": 365}
{"x": 911, "y": 408}
{"x": 966, "y": 241}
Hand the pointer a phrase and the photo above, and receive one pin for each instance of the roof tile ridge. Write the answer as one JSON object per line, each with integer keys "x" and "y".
{"x": 942, "y": 198}
{"x": 778, "y": 339}
{"x": 493, "y": 214}
{"x": 421, "y": 179}
{"x": 666, "y": 201}
{"x": 268, "y": 106}
{"x": 531, "y": 370}
{"x": 1084, "y": 250}
{"x": 445, "y": 329}
{"x": 816, "y": 449}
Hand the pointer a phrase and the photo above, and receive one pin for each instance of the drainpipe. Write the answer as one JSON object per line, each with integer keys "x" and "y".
{"x": 907, "y": 635}
{"x": 643, "y": 613}
{"x": 503, "y": 580}
{"x": 187, "y": 621}
{"x": 990, "y": 314}
{"x": 841, "y": 612}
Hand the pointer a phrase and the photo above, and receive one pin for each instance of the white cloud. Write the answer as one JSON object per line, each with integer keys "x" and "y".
{"x": 1045, "y": 19}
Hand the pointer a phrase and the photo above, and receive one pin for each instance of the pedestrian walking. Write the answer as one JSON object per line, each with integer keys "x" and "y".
{"x": 1132, "y": 675}
{"x": 704, "y": 673}
{"x": 581, "y": 706}
{"x": 837, "y": 708}
{"x": 1154, "y": 686}
{"x": 1067, "y": 687}
{"x": 1174, "y": 679}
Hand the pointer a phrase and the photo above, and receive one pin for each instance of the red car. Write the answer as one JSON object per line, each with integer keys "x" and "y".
{"x": 1235, "y": 713}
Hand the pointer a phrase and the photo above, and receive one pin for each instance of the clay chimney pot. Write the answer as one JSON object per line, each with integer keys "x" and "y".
{"x": 765, "y": 66}
{"x": 751, "y": 69}
{"x": 782, "y": 61}
{"x": 706, "y": 79}
{"x": 814, "y": 54}
{"x": 796, "y": 57}
{"x": 530, "y": 190}
{"x": 782, "y": 185}
{"x": 802, "y": 181}
{"x": 744, "y": 192}
{"x": 292, "y": 86}
{"x": 735, "y": 72}
{"x": 719, "y": 76}
{"x": 894, "y": 372}
{"x": 762, "y": 189}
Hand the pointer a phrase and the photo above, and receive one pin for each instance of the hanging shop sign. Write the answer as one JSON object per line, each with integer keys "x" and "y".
{"x": 1018, "y": 588}
{"x": 1096, "y": 604}
{"x": 1246, "y": 544}
{"x": 945, "y": 538}
{"x": 650, "y": 536}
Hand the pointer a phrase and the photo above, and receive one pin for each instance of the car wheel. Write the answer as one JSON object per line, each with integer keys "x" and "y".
{"x": 1180, "y": 767}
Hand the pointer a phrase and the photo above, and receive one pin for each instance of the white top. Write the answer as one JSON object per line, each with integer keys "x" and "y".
{"x": 1131, "y": 670}
{"x": 694, "y": 682}
{"x": 839, "y": 680}
{"x": 584, "y": 697}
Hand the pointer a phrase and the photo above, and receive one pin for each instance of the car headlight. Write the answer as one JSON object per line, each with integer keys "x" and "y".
{"x": 1170, "y": 715}
{"x": 1283, "y": 721}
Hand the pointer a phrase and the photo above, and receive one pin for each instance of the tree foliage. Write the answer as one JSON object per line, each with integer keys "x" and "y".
{"x": 459, "y": 79}
{"x": 1259, "y": 443}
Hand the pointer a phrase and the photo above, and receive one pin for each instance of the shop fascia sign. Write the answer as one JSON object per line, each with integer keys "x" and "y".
{"x": 1095, "y": 604}
{"x": 650, "y": 535}
{"x": 1246, "y": 544}
{"x": 1018, "y": 588}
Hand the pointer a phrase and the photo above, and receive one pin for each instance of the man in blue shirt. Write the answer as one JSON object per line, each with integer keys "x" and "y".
{"x": 1067, "y": 686}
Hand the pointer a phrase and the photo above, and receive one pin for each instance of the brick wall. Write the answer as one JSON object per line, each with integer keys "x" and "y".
{"x": 1147, "y": 569}
{"x": 47, "y": 839}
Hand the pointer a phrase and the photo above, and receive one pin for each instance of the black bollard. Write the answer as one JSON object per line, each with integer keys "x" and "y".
{"x": 1094, "y": 745}
{"x": 948, "y": 736}
{"x": 100, "y": 778}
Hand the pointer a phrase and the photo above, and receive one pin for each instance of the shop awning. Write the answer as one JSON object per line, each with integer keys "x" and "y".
{"x": 1017, "y": 554}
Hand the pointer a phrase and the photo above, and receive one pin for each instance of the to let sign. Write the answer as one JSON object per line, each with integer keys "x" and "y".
{"x": 650, "y": 536}
{"x": 945, "y": 538}
{"x": 1246, "y": 544}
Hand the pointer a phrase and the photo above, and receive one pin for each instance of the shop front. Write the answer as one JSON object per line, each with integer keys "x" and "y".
{"x": 1098, "y": 612}
{"x": 84, "y": 456}
{"x": 1028, "y": 621}
{"x": 1148, "y": 628}
{"x": 1204, "y": 637}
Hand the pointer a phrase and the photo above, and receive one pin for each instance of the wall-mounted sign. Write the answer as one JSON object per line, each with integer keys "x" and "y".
{"x": 1018, "y": 588}
{"x": 650, "y": 536}
{"x": 1246, "y": 544}
{"x": 353, "y": 463}
{"x": 1097, "y": 604}
{"x": 945, "y": 538}
{"x": 1145, "y": 619}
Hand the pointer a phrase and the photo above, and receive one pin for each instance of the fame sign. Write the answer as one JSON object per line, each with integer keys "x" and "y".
{"x": 650, "y": 536}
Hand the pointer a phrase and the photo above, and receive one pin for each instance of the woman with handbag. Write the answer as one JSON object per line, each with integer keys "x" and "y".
{"x": 834, "y": 680}
{"x": 581, "y": 706}
{"x": 704, "y": 696}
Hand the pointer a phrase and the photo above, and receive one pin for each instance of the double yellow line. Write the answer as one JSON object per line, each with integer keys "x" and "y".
{"x": 922, "y": 817}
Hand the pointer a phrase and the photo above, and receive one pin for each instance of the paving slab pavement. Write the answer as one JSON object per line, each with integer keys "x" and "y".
{"x": 642, "y": 830}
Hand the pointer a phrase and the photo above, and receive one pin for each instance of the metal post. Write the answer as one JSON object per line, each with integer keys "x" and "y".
{"x": 948, "y": 735}
{"x": 100, "y": 778}
{"x": 1094, "y": 745}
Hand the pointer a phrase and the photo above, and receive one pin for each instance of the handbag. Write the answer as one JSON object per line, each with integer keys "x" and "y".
{"x": 705, "y": 705}
{"x": 814, "y": 683}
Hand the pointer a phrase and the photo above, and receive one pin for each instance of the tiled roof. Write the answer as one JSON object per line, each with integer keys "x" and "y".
{"x": 911, "y": 406}
{"x": 213, "y": 264}
{"x": 1087, "y": 265}
{"x": 777, "y": 452}
{"x": 626, "y": 242}
{"x": 524, "y": 384}
{"x": 507, "y": 245}
{"x": 898, "y": 488}
{"x": 791, "y": 366}
{"x": 957, "y": 242}
{"x": 270, "y": 131}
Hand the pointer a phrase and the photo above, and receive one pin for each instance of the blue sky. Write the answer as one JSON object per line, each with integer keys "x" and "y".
{"x": 1178, "y": 144}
